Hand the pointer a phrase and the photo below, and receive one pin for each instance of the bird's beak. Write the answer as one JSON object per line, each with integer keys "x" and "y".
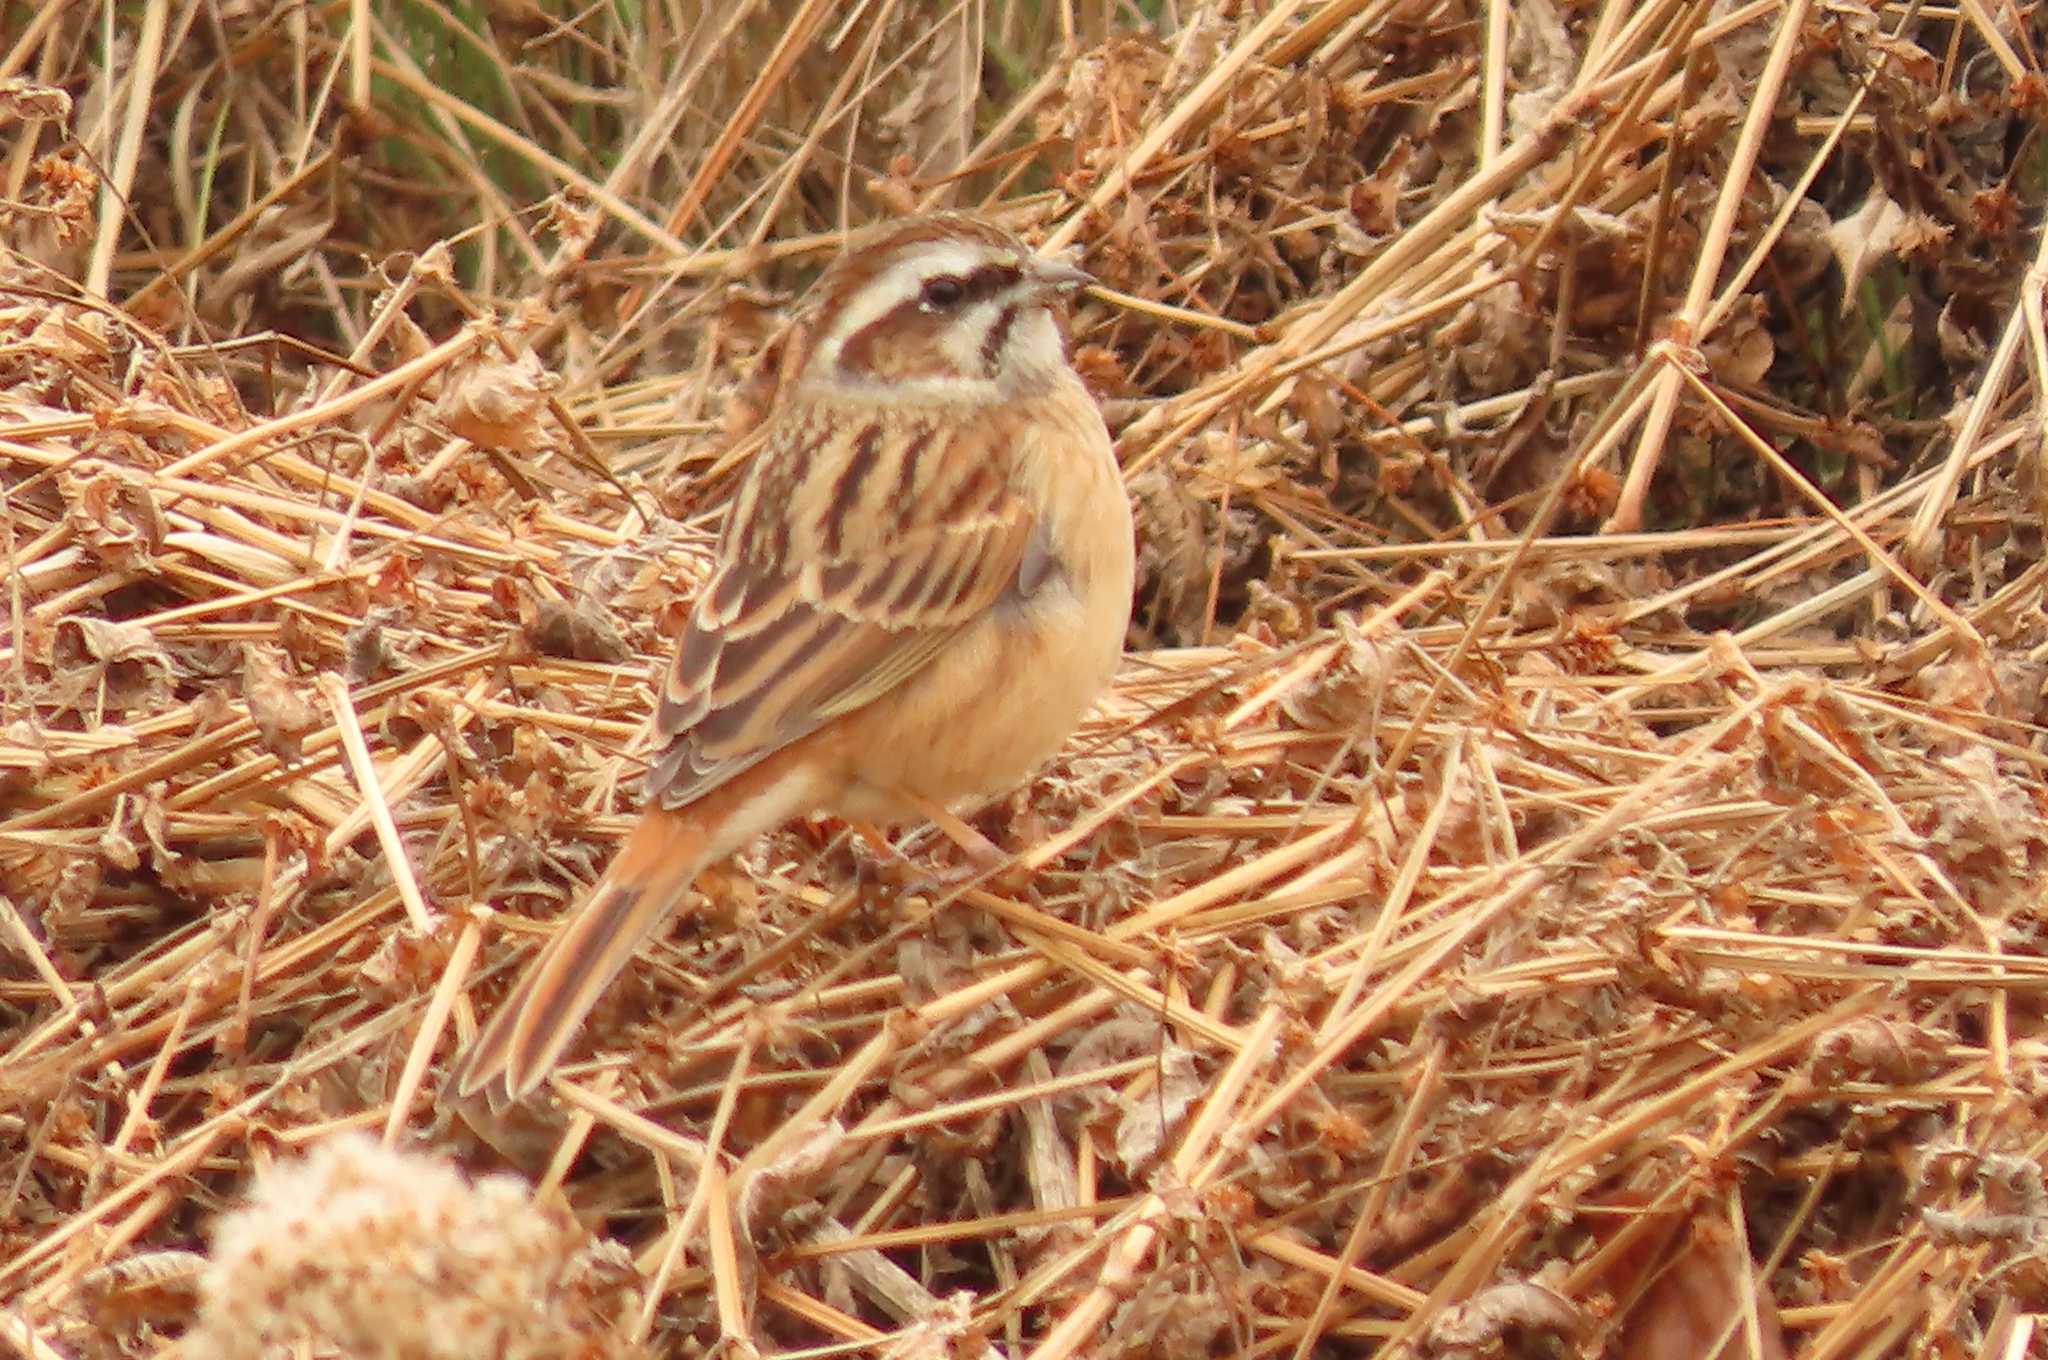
{"x": 1052, "y": 276}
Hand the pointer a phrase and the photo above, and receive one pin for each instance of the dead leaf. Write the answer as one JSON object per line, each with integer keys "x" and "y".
{"x": 1544, "y": 59}
{"x": 941, "y": 1332}
{"x": 143, "y": 1286}
{"x": 1376, "y": 201}
{"x": 1152, "y": 1114}
{"x": 1960, "y": 343}
{"x": 500, "y": 405}
{"x": 1696, "y": 1308}
{"x": 578, "y": 629}
{"x": 109, "y": 641}
{"x": 29, "y": 99}
{"x": 112, "y": 512}
{"x": 1916, "y": 61}
{"x": 1479, "y": 1324}
{"x": 1741, "y": 351}
{"x": 277, "y": 703}
{"x": 935, "y": 117}
{"x": 1863, "y": 239}
{"x": 1874, "y": 1048}
{"x": 113, "y": 662}
{"x": 1921, "y": 235}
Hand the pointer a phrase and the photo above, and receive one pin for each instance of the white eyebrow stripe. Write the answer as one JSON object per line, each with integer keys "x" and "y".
{"x": 899, "y": 282}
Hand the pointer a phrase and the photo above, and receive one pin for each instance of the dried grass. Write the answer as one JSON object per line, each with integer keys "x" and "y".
{"x": 1460, "y": 933}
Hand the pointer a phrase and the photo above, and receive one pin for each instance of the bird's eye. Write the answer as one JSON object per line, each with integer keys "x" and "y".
{"x": 942, "y": 292}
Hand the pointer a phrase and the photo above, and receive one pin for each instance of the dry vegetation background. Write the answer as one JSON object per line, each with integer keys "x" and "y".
{"x": 1559, "y": 874}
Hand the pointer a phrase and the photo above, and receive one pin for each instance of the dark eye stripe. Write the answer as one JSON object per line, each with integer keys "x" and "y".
{"x": 976, "y": 285}
{"x": 979, "y": 284}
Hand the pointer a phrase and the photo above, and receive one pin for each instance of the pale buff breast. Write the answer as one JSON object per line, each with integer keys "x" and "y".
{"x": 1003, "y": 696}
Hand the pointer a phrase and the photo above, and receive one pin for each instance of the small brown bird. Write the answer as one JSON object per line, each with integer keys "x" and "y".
{"x": 921, "y": 588}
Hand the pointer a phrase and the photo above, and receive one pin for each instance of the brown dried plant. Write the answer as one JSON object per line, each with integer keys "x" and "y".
{"x": 1559, "y": 866}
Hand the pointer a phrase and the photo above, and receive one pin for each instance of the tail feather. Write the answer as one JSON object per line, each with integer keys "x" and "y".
{"x": 532, "y": 1028}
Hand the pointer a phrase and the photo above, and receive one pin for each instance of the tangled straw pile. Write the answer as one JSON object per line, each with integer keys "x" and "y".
{"x": 1460, "y": 932}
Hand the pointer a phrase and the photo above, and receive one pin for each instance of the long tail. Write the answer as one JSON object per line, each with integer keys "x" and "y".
{"x": 525, "y": 1038}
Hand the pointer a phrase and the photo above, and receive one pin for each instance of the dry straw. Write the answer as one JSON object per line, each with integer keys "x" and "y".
{"x": 1462, "y": 930}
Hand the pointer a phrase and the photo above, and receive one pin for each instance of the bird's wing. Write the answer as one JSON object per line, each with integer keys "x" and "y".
{"x": 856, "y": 550}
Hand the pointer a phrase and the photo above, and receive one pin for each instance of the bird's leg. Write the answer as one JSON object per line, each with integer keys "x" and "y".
{"x": 987, "y": 862}
{"x": 895, "y": 866}
{"x": 984, "y": 854}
